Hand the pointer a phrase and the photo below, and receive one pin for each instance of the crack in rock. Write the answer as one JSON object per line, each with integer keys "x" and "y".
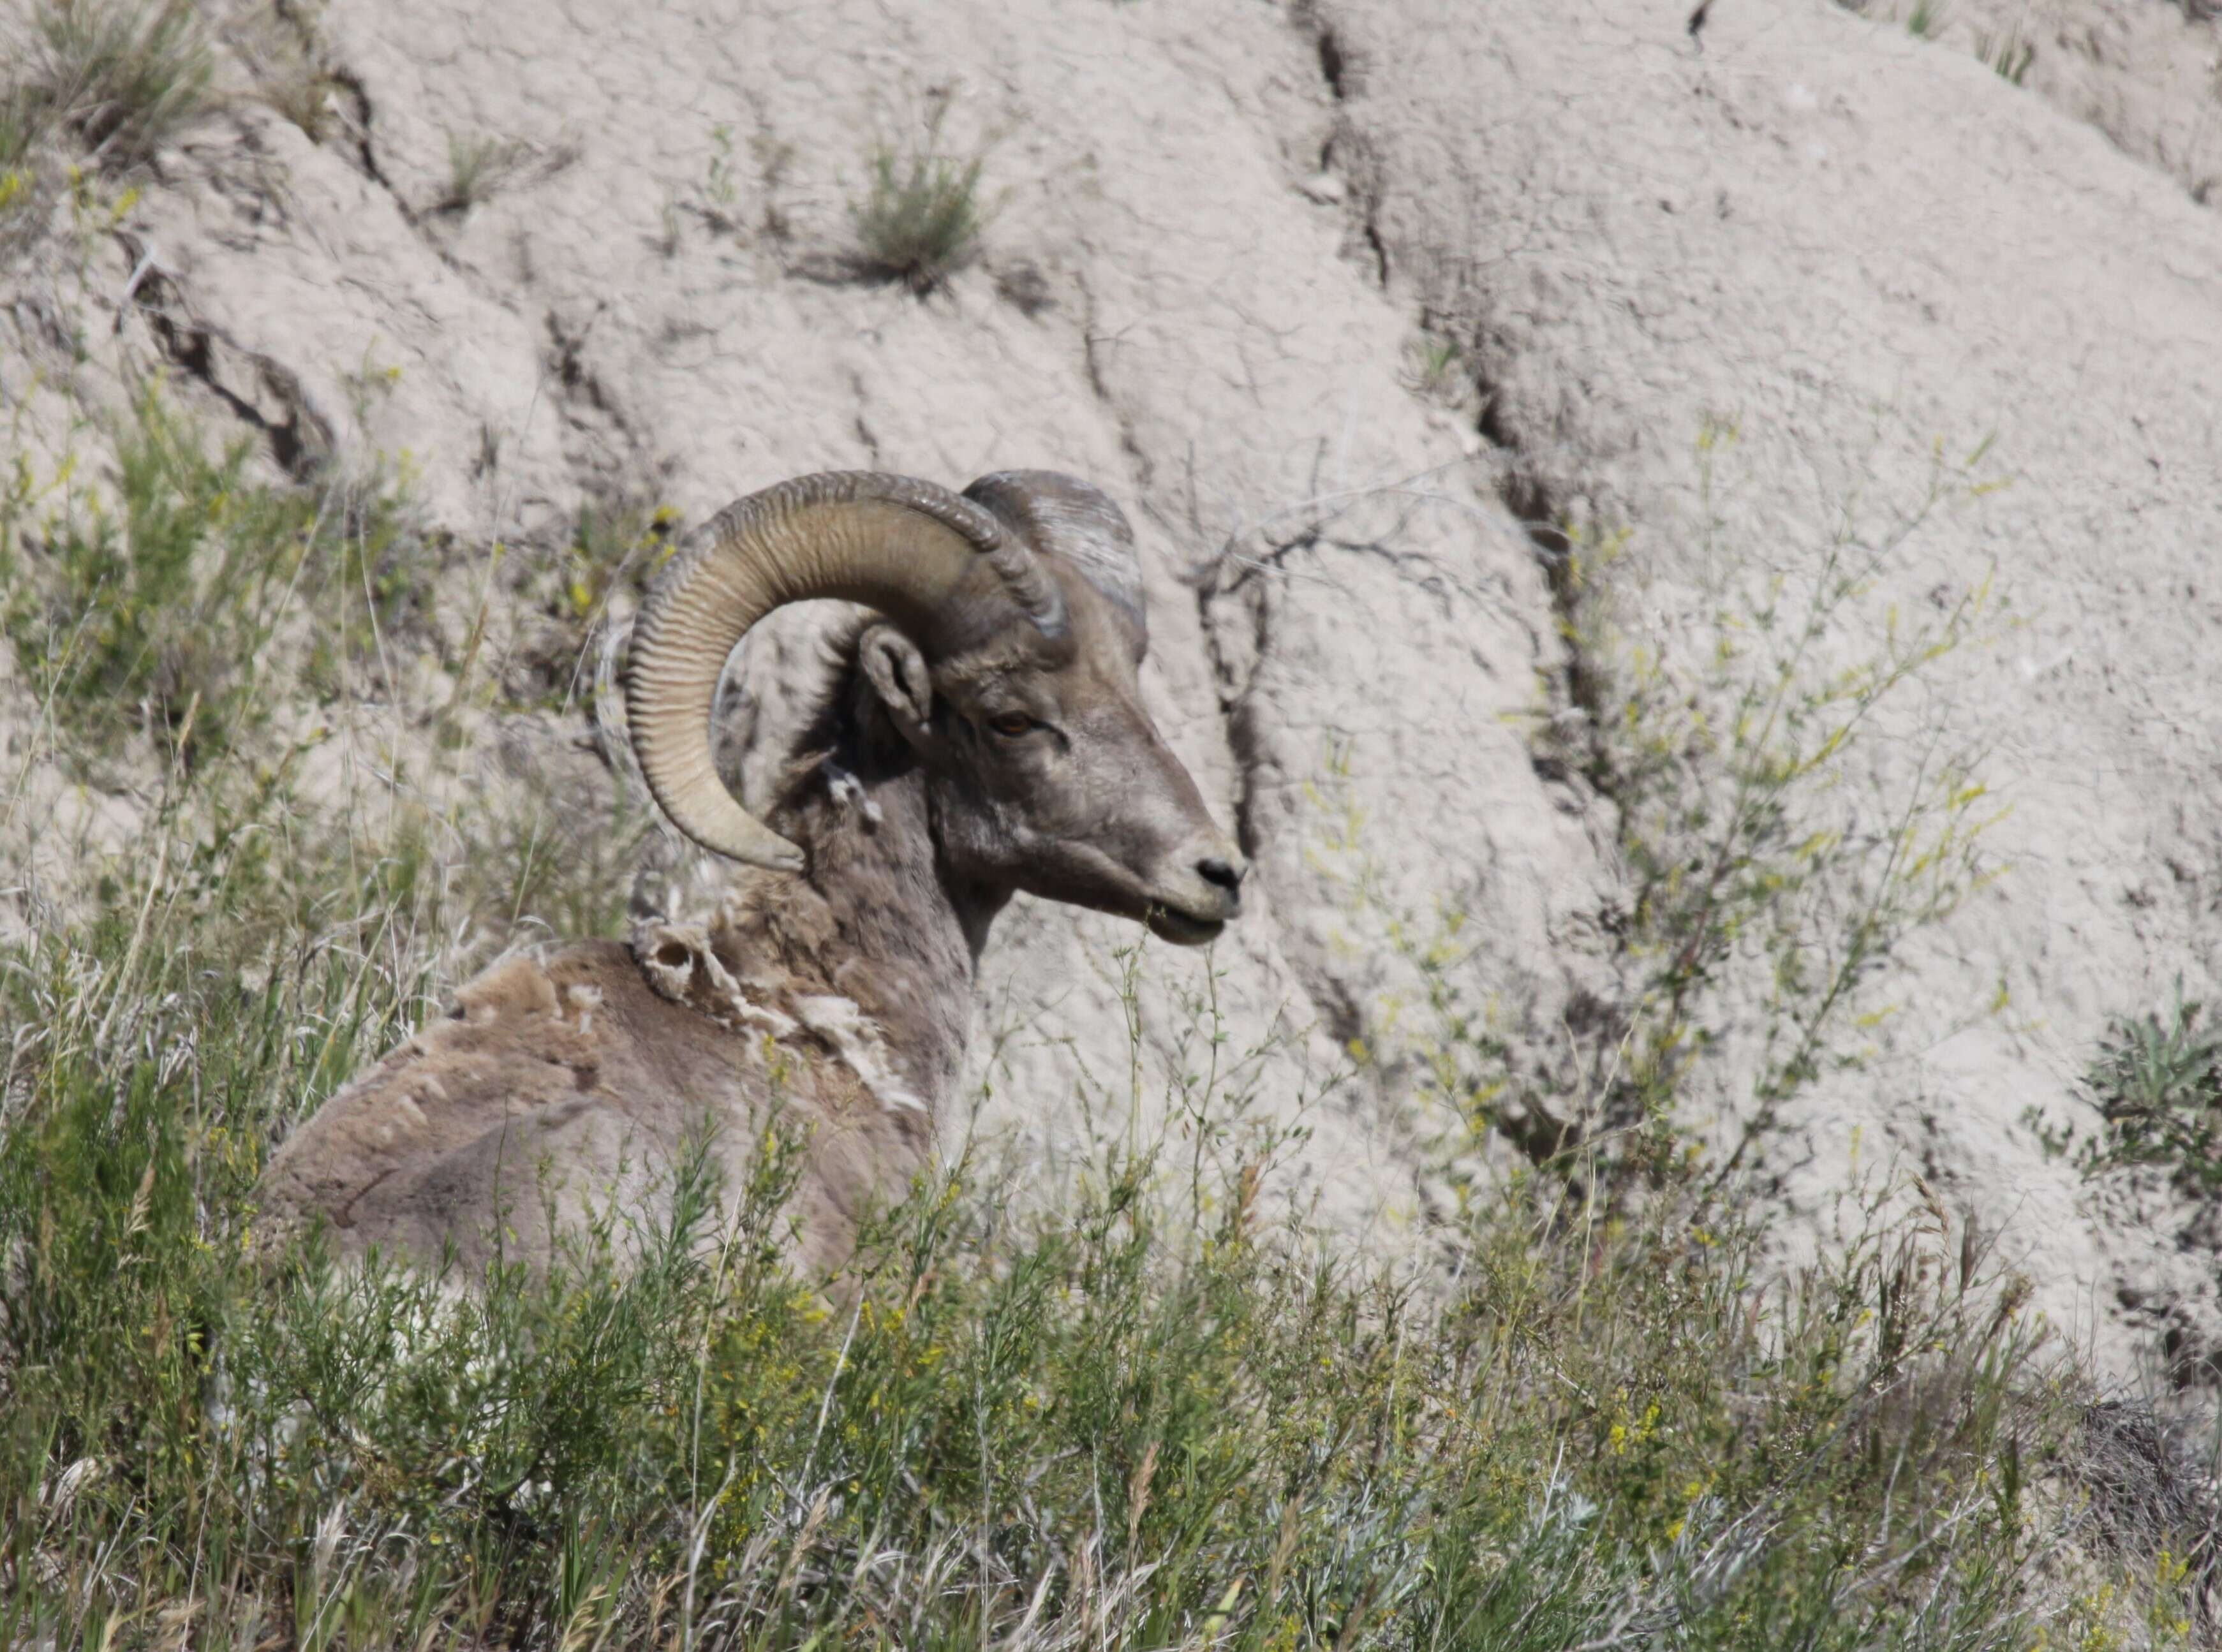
{"x": 261, "y": 393}
{"x": 358, "y": 96}
{"x": 1091, "y": 363}
{"x": 1347, "y": 153}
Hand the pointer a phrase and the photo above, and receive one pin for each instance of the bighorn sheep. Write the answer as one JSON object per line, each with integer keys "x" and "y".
{"x": 985, "y": 734}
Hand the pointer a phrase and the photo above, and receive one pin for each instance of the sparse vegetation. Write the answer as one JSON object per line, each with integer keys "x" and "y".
{"x": 1773, "y": 882}
{"x": 2157, "y": 1079}
{"x": 18, "y": 131}
{"x": 721, "y": 195}
{"x": 1927, "y": 19}
{"x": 143, "y": 600}
{"x": 1438, "y": 367}
{"x": 282, "y": 47}
{"x": 2010, "y": 54}
{"x": 120, "y": 77}
{"x": 480, "y": 165}
{"x": 921, "y": 217}
{"x": 19, "y": 182}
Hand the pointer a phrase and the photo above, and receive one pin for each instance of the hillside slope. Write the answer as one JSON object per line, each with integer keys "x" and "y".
{"x": 1378, "y": 315}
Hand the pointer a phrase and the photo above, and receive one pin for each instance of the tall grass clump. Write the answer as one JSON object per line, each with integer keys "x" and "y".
{"x": 122, "y": 78}
{"x": 2010, "y": 55}
{"x": 480, "y": 165}
{"x": 921, "y": 217}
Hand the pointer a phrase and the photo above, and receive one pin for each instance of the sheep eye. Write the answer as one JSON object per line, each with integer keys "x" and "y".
{"x": 1011, "y": 725}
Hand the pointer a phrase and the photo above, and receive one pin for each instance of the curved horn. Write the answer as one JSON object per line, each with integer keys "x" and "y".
{"x": 941, "y": 567}
{"x": 1065, "y": 516}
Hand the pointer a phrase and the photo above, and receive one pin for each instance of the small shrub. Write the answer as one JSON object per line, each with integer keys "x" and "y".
{"x": 721, "y": 195}
{"x": 151, "y": 607}
{"x": 1928, "y": 18}
{"x": 1437, "y": 366}
{"x": 478, "y": 167}
{"x": 122, "y": 77}
{"x": 2157, "y": 1079}
{"x": 1764, "y": 902}
{"x": 920, "y": 219}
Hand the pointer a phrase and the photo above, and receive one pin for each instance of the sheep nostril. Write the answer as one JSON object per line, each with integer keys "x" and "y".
{"x": 1228, "y": 877}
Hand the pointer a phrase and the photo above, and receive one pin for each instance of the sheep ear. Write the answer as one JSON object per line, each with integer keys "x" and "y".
{"x": 1062, "y": 515}
{"x": 897, "y": 672}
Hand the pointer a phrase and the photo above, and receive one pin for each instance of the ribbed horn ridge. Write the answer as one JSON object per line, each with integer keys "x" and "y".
{"x": 1077, "y": 521}
{"x": 943, "y": 568}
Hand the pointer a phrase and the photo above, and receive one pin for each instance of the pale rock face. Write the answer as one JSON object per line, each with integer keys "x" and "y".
{"x": 1241, "y": 216}
{"x": 1856, "y": 243}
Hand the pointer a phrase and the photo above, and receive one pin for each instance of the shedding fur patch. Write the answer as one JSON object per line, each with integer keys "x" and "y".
{"x": 854, "y": 1037}
{"x": 848, "y": 792}
{"x": 677, "y": 962}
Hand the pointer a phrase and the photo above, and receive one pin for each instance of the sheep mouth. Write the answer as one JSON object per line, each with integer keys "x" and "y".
{"x": 1183, "y": 928}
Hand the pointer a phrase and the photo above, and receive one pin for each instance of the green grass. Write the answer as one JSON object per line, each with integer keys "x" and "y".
{"x": 480, "y": 165}
{"x": 1106, "y": 1422}
{"x": 19, "y": 129}
{"x": 920, "y": 218}
{"x": 2010, "y": 54}
{"x": 1133, "y": 1412}
{"x": 146, "y": 598}
{"x": 122, "y": 78}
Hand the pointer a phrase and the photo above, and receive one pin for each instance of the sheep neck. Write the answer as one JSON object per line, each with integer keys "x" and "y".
{"x": 875, "y": 920}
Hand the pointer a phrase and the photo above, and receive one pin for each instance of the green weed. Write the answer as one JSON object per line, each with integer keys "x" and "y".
{"x": 920, "y": 218}
{"x": 1928, "y": 19}
{"x": 19, "y": 130}
{"x": 1438, "y": 366}
{"x": 2010, "y": 56}
{"x": 2157, "y": 1079}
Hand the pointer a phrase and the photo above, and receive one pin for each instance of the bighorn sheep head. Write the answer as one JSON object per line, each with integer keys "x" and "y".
{"x": 1006, "y": 660}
